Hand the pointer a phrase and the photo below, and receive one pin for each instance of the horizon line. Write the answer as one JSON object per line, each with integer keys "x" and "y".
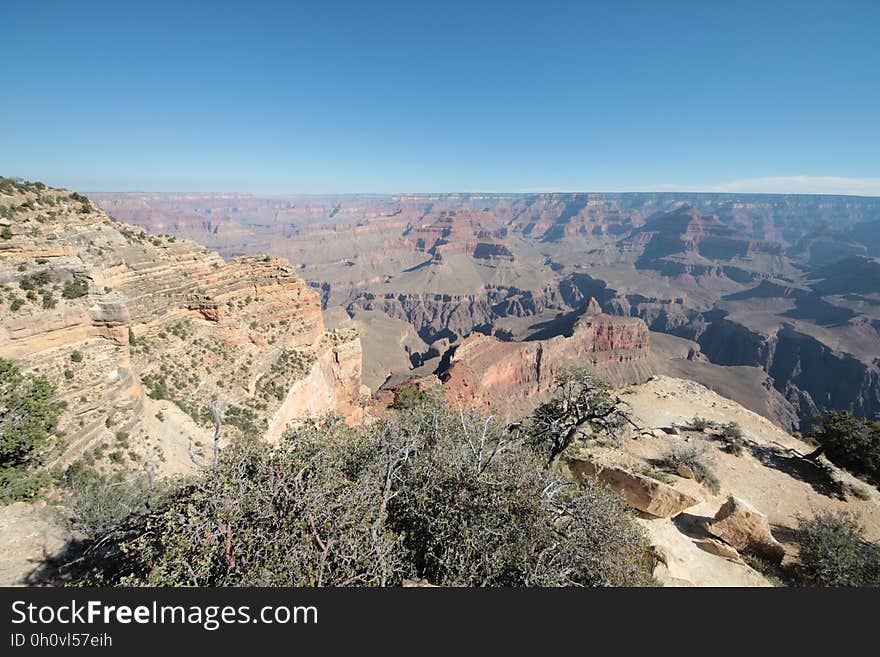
{"x": 535, "y": 192}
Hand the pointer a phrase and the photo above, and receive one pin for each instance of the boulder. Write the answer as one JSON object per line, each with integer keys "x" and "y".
{"x": 720, "y": 549}
{"x": 685, "y": 472}
{"x": 743, "y": 527}
{"x": 666, "y": 569}
{"x": 640, "y": 492}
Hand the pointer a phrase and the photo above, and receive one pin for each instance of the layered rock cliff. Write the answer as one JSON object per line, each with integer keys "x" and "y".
{"x": 149, "y": 337}
{"x": 510, "y": 378}
{"x": 812, "y": 376}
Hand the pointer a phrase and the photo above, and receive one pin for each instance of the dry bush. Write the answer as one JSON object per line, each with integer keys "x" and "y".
{"x": 433, "y": 493}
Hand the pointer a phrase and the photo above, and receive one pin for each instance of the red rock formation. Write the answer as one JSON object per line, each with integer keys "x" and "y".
{"x": 512, "y": 377}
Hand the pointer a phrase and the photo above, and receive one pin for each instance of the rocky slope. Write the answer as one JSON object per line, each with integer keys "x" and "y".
{"x": 148, "y": 336}
{"x": 768, "y": 475}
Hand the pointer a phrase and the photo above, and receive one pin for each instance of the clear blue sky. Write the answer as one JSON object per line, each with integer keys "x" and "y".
{"x": 441, "y": 96}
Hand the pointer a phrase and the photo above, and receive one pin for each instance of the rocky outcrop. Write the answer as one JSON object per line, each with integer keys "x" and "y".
{"x": 640, "y": 492}
{"x": 679, "y": 560}
{"x": 511, "y": 377}
{"x": 331, "y": 386}
{"x": 746, "y": 529}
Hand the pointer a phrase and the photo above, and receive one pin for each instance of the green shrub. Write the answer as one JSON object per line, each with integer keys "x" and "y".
{"x": 455, "y": 498}
{"x": 774, "y": 572}
{"x": 28, "y": 418}
{"x": 408, "y": 396}
{"x": 22, "y": 485}
{"x": 35, "y": 281}
{"x": 100, "y": 503}
{"x": 659, "y": 475}
{"x": 76, "y": 356}
{"x": 695, "y": 457}
{"x": 470, "y": 519}
{"x": 75, "y": 289}
{"x": 834, "y": 552}
{"x": 850, "y": 442}
{"x": 859, "y": 491}
{"x": 732, "y": 435}
{"x": 700, "y": 424}
{"x": 6, "y": 233}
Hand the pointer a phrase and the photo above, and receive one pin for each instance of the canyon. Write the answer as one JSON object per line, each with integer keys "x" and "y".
{"x": 771, "y": 299}
{"x": 163, "y": 350}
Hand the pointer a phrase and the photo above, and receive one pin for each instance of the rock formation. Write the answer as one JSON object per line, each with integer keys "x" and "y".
{"x": 746, "y": 529}
{"x": 511, "y": 377}
{"x": 643, "y": 493}
{"x": 124, "y": 322}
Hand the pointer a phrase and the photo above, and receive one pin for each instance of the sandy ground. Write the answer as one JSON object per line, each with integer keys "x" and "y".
{"x": 767, "y": 474}
{"x": 171, "y": 440}
{"x": 29, "y": 534}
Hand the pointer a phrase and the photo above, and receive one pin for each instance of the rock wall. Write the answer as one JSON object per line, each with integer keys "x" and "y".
{"x": 812, "y": 376}
{"x": 331, "y": 386}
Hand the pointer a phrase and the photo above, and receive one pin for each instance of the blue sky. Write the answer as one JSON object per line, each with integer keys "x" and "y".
{"x": 442, "y": 96}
